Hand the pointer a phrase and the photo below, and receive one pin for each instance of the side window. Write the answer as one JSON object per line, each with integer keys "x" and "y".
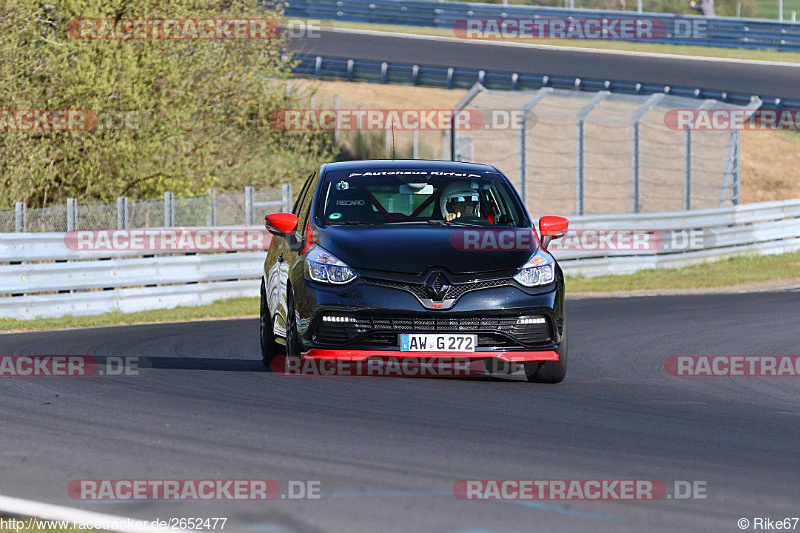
{"x": 301, "y": 196}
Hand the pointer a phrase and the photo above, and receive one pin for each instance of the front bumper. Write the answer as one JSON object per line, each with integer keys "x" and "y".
{"x": 380, "y": 314}
{"x": 361, "y": 355}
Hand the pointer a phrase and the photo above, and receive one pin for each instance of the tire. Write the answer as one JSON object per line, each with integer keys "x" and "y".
{"x": 549, "y": 371}
{"x": 269, "y": 348}
{"x": 293, "y": 347}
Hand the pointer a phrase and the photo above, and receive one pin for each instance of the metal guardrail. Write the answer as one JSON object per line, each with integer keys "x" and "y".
{"x": 42, "y": 284}
{"x": 763, "y": 228}
{"x": 724, "y": 32}
{"x": 464, "y": 78}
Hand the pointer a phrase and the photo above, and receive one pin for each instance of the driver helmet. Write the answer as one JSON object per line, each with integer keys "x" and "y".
{"x": 460, "y": 193}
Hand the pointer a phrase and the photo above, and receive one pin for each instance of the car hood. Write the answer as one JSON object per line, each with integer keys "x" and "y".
{"x": 415, "y": 249}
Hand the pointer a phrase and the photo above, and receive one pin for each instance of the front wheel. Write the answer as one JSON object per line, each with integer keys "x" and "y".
{"x": 269, "y": 348}
{"x": 293, "y": 348}
{"x": 549, "y": 371}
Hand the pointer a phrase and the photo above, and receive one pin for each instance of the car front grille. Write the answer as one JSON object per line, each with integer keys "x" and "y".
{"x": 456, "y": 290}
{"x": 383, "y": 330}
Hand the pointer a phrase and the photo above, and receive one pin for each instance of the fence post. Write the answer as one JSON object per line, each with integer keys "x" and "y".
{"x": 336, "y": 117}
{"x": 248, "y": 205}
{"x": 213, "y": 198}
{"x": 387, "y": 142}
{"x": 639, "y": 6}
{"x": 19, "y": 217}
{"x": 445, "y": 145}
{"x": 415, "y": 144}
{"x": 72, "y": 214}
{"x": 687, "y": 170}
{"x": 122, "y": 212}
{"x": 523, "y": 140}
{"x": 287, "y": 197}
{"x": 169, "y": 209}
{"x": 649, "y": 104}
{"x": 580, "y": 163}
{"x": 780, "y": 10}
{"x": 736, "y": 170}
{"x": 523, "y": 154}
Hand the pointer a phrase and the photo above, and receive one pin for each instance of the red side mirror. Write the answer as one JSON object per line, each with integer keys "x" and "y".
{"x": 552, "y": 228}
{"x": 281, "y": 223}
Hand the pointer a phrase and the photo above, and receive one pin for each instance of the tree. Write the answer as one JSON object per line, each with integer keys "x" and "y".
{"x": 178, "y": 114}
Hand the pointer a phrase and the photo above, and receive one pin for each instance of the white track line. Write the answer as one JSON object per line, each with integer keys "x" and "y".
{"x": 378, "y": 33}
{"x": 46, "y": 511}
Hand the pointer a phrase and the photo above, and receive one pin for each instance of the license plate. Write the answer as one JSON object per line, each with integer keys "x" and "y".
{"x": 435, "y": 342}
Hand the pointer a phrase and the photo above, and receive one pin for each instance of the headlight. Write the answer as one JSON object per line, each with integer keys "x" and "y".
{"x": 537, "y": 271}
{"x": 324, "y": 267}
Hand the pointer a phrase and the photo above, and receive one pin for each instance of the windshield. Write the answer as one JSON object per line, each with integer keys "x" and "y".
{"x": 436, "y": 197}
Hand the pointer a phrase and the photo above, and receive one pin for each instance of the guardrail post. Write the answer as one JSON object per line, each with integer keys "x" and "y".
{"x": 212, "y": 216}
{"x": 384, "y": 72}
{"x": 387, "y": 142}
{"x": 780, "y": 10}
{"x": 287, "y": 197}
{"x": 72, "y": 214}
{"x": 445, "y": 145}
{"x": 19, "y": 217}
{"x": 248, "y": 206}
{"x": 638, "y": 6}
{"x": 687, "y": 170}
{"x": 169, "y": 209}
{"x": 318, "y": 67}
{"x": 580, "y": 163}
{"x": 122, "y": 212}
{"x": 415, "y": 144}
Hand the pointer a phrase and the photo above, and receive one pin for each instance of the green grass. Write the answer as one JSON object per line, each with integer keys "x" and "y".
{"x": 707, "y": 51}
{"x": 220, "y": 309}
{"x": 729, "y": 272}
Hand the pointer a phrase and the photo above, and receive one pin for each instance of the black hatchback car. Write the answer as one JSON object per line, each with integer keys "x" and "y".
{"x": 409, "y": 258}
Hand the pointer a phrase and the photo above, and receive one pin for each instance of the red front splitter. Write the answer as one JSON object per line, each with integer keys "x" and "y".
{"x": 360, "y": 355}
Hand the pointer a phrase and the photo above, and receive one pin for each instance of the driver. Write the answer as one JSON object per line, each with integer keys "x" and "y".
{"x": 459, "y": 199}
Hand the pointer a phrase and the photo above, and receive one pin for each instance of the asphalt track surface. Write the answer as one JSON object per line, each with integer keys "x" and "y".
{"x": 735, "y": 77}
{"x": 389, "y": 450}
